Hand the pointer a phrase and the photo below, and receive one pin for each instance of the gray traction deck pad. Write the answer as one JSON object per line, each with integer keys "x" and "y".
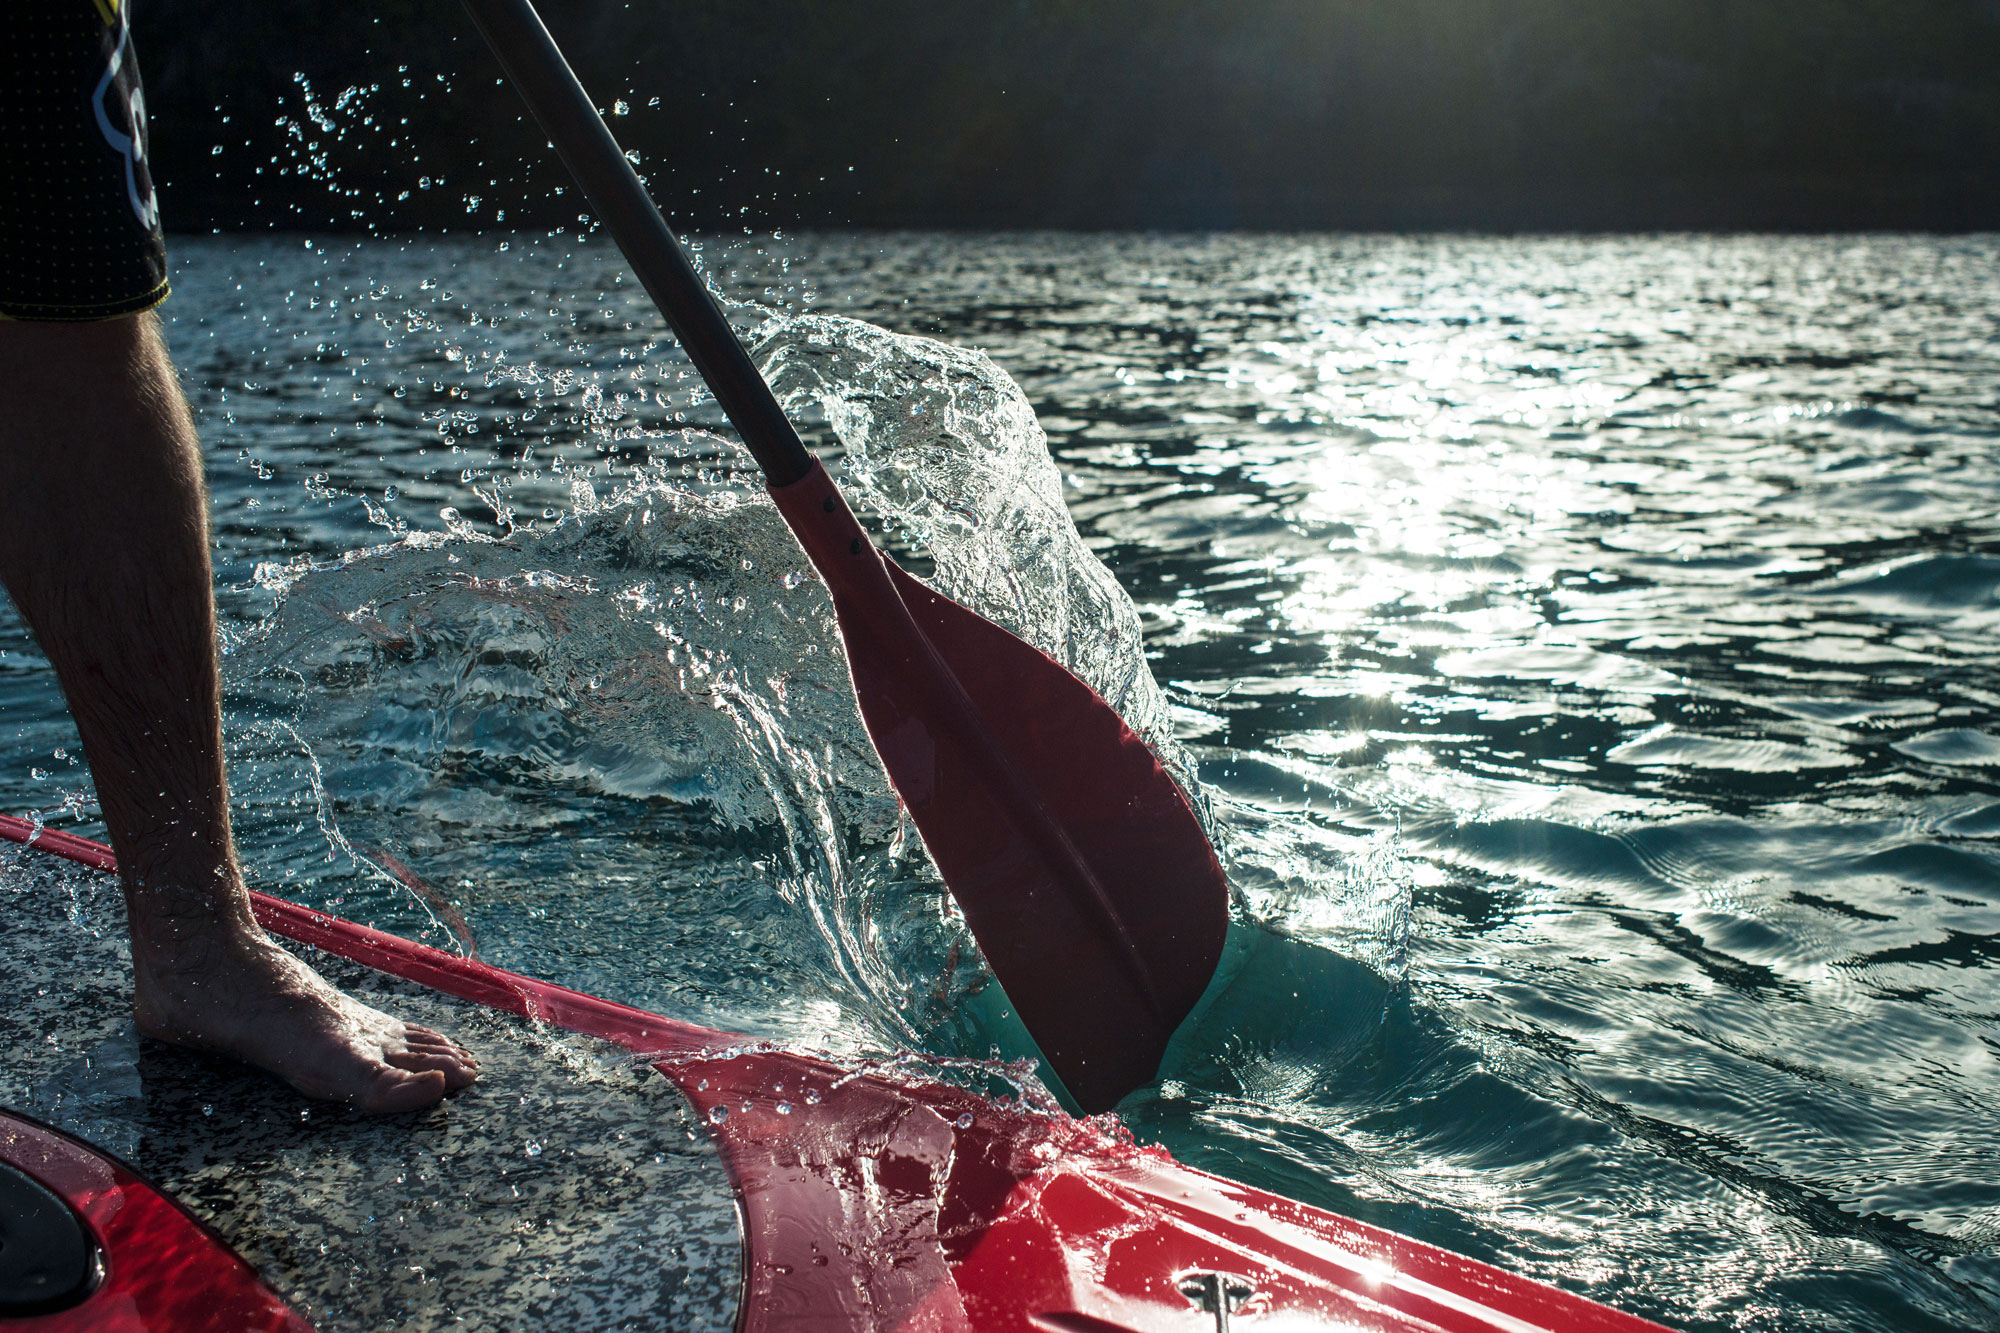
{"x": 567, "y": 1189}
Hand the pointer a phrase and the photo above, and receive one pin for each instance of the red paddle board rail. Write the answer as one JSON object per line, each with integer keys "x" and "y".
{"x": 890, "y": 1206}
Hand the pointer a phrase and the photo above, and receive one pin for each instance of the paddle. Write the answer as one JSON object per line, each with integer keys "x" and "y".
{"x": 1078, "y": 863}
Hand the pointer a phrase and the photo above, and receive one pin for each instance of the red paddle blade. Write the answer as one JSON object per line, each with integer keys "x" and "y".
{"x": 1078, "y": 862}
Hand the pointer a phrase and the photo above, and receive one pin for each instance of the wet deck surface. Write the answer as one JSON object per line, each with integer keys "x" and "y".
{"x": 567, "y": 1189}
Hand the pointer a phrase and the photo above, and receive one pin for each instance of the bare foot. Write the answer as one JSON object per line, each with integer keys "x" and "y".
{"x": 239, "y": 994}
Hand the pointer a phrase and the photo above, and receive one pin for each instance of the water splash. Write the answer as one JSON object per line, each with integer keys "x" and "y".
{"x": 661, "y": 646}
{"x": 944, "y": 444}
{"x": 666, "y": 643}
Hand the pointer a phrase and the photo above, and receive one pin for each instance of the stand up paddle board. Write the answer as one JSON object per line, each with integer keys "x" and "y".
{"x": 870, "y": 1202}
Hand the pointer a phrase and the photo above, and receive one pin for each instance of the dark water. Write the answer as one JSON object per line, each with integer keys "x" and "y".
{"x": 1595, "y": 637}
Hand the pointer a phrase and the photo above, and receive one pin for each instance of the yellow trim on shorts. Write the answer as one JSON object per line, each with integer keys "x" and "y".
{"x": 108, "y": 11}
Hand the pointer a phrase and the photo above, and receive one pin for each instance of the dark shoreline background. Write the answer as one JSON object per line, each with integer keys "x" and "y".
{"x": 1497, "y": 115}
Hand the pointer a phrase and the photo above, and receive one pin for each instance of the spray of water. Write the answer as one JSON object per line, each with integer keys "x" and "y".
{"x": 666, "y": 642}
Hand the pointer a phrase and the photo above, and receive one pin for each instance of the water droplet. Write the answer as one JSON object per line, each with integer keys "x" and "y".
{"x": 717, "y": 1114}
{"x": 207, "y": 1109}
{"x": 784, "y": 1108}
{"x": 965, "y": 1120}
{"x": 812, "y": 1097}
{"x": 621, "y": 108}
{"x": 534, "y": 1150}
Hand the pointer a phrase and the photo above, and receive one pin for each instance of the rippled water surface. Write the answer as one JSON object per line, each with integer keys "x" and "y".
{"x": 1594, "y": 637}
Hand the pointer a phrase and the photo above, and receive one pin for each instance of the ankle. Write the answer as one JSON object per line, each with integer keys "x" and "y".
{"x": 175, "y": 933}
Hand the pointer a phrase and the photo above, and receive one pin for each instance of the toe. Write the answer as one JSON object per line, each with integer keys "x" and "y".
{"x": 397, "y": 1089}
{"x": 458, "y": 1073}
{"x": 450, "y": 1056}
{"x": 425, "y": 1039}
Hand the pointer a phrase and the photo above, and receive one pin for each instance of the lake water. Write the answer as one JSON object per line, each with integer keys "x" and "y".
{"x": 1594, "y": 637}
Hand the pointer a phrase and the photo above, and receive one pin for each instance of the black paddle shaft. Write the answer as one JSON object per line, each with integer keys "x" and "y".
{"x": 567, "y": 115}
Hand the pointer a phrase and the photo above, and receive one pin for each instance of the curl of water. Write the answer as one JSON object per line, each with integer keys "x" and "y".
{"x": 944, "y": 444}
{"x": 659, "y": 646}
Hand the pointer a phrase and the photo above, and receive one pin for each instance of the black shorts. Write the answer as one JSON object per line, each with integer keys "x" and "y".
{"x": 79, "y": 227}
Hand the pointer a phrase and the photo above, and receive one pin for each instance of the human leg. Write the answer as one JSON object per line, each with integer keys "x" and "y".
{"x": 104, "y": 549}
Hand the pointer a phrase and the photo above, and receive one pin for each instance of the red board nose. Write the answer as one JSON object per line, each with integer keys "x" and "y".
{"x": 153, "y": 1269}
